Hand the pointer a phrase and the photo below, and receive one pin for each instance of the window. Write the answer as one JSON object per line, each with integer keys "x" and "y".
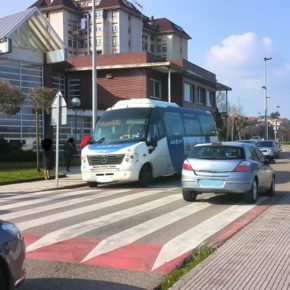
{"x": 211, "y": 99}
{"x": 188, "y": 92}
{"x": 115, "y": 14}
{"x": 115, "y": 40}
{"x": 74, "y": 88}
{"x": 99, "y": 27}
{"x": 155, "y": 89}
{"x": 115, "y": 27}
{"x": 99, "y": 14}
{"x": 158, "y": 48}
{"x": 201, "y": 95}
{"x": 192, "y": 125}
{"x": 99, "y": 40}
{"x": 173, "y": 124}
{"x": 207, "y": 123}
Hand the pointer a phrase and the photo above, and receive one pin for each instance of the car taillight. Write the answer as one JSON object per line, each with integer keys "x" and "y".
{"x": 186, "y": 166}
{"x": 242, "y": 167}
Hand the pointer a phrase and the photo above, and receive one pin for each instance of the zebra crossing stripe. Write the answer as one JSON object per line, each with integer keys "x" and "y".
{"x": 80, "y": 211}
{"x": 196, "y": 235}
{"x": 18, "y": 195}
{"x": 60, "y": 204}
{"x": 89, "y": 225}
{"x": 137, "y": 232}
{"x": 28, "y": 202}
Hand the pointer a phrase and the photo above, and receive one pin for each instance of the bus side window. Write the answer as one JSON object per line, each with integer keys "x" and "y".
{"x": 192, "y": 127}
{"x": 207, "y": 124}
{"x": 174, "y": 124}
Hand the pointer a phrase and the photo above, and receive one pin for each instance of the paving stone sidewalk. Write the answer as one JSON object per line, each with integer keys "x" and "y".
{"x": 257, "y": 257}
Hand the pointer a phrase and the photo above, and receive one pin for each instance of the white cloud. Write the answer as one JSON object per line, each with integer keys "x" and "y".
{"x": 238, "y": 62}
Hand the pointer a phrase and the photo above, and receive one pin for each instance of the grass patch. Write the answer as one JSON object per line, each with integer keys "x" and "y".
{"x": 21, "y": 171}
{"x": 13, "y": 174}
{"x": 187, "y": 265}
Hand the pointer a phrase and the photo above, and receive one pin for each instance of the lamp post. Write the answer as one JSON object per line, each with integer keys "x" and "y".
{"x": 94, "y": 69}
{"x": 75, "y": 103}
{"x": 276, "y": 123}
{"x": 266, "y": 97}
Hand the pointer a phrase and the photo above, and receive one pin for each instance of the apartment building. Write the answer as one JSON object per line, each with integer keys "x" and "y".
{"x": 137, "y": 57}
{"x": 120, "y": 28}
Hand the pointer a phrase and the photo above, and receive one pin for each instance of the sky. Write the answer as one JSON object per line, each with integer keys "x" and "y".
{"x": 230, "y": 38}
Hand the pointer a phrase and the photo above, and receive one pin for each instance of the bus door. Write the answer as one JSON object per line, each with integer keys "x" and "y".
{"x": 159, "y": 154}
{"x": 175, "y": 141}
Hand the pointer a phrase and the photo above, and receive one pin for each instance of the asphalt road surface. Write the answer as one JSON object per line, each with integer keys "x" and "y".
{"x": 118, "y": 237}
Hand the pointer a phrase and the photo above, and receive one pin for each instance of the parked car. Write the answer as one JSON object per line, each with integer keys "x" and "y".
{"x": 249, "y": 141}
{"x": 269, "y": 148}
{"x": 228, "y": 167}
{"x": 12, "y": 254}
{"x": 255, "y": 138}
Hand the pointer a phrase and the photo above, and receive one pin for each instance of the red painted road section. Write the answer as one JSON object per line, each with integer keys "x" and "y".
{"x": 134, "y": 257}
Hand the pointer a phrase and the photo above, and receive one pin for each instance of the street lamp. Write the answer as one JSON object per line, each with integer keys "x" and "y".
{"x": 276, "y": 123}
{"x": 75, "y": 103}
{"x": 266, "y": 97}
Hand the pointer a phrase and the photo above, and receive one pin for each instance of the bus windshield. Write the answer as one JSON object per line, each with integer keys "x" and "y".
{"x": 118, "y": 126}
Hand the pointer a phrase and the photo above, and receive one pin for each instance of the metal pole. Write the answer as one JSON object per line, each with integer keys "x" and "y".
{"x": 57, "y": 139}
{"x": 75, "y": 124}
{"x": 94, "y": 70}
{"x": 266, "y": 98}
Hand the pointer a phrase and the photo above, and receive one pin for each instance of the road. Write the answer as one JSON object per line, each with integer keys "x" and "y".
{"x": 118, "y": 237}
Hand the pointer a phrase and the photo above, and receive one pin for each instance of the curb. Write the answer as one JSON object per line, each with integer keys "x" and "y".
{"x": 28, "y": 180}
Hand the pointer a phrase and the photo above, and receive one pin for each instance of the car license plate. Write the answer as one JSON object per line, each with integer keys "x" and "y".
{"x": 211, "y": 183}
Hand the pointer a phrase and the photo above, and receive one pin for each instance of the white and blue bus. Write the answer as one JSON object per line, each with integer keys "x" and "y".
{"x": 141, "y": 139}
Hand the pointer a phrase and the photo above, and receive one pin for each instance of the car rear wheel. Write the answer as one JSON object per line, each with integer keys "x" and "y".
{"x": 252, "y": 195}
{"x": 189, "y": 195}
{"x": 271, "y": 190}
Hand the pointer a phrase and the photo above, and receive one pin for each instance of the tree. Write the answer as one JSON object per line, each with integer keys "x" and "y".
{"x": 40, "y": 99}
{"x": 10, "y": 98}
{"x": 237, "y": 121}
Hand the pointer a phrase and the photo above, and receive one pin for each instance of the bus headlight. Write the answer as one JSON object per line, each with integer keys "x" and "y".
{"x": 84, "y": 159}
{"x": 132, "y": 158}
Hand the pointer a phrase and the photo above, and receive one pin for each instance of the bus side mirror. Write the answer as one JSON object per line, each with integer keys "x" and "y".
{"x": 151, "y": 141}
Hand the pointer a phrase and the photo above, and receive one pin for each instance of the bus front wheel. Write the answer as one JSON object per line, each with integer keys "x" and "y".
{"x": 145, "y": 175}
{"x": 92, "y": 184}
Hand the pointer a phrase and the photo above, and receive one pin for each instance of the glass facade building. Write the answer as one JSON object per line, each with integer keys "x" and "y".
{"x": 26, "y": 76}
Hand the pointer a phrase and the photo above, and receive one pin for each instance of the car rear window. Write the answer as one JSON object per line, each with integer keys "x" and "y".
{"x": 265, "y": 144}
{"x": 218, "y": 152}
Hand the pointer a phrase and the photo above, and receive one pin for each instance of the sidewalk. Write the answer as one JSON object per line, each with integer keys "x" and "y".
{"x": 256, "y": 257}
{"x": 70, "y": 179}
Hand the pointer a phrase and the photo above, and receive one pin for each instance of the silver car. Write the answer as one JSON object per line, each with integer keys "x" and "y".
{"x": 228, "y": 167}
{"x": 12, "y": 254}
{"x": 269, "y": 148}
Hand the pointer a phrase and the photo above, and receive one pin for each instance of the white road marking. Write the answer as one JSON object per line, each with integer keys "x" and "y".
{"x": 79, "y": 211}
{"x": 33, "y": 201}
{"x": 196, "y": 235}
{"x": 59, "y": 204}
{"x": 11, "y": 195}
{"x": 133, "y": 234}
{"x": 89, "y": 225}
